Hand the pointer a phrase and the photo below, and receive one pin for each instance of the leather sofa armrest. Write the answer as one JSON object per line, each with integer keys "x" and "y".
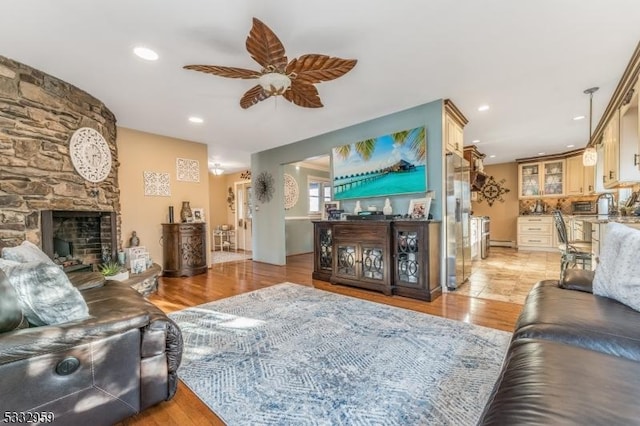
{"x": 30, "y": 342}
{"x": 577, "y": 279}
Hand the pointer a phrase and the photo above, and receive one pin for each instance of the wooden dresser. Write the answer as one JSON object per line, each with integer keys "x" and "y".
{"x": 184, "y": 249}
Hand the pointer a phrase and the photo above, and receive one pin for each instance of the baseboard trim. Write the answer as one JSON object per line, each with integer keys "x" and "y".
{"x": 499, "y": 243}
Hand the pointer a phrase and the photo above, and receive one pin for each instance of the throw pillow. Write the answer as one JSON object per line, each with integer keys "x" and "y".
{"x": 26, "y": 252}
{"x": 4, "y": 263}
{"x": 618, "y": 273}
{"x": 45, "y": 294}
{"x": 11, "y": 316}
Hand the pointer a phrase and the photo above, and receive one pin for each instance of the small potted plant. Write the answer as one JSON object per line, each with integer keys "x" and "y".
{"x": 113, "y": 271}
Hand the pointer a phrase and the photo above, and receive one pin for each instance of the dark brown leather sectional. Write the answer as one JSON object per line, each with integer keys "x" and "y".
{"x": 98, "y": 371}
{"x": 574, "y": 359}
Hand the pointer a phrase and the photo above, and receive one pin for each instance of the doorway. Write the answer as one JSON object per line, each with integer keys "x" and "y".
{"x": 243, "y": 215}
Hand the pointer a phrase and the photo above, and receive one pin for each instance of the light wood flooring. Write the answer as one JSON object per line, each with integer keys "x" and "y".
{"x": 492, "y": 298}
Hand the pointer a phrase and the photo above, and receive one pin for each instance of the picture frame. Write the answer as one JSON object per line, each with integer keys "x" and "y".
{"x": 419, "y": 208}
{"x": 198, "y": 214}
{"x": 138, "y": 266}
{"x": 330, "y": 205}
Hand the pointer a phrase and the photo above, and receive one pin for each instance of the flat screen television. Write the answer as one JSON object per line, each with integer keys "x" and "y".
{"x": 387, "y": 165}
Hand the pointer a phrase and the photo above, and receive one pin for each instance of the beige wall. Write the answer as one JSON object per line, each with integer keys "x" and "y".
{"x": 139, "y": 152}
{"x": 219, "y": 190}
{"x": 504, "y": 216}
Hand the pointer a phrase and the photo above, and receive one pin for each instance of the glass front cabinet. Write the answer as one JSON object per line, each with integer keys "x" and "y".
{"x": 396, "y": 257}
{"x": 542, "y": 179}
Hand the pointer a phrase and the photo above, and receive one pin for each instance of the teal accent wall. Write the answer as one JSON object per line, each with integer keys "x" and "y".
{"x": 269, "y": 240}
{"x": 298, "y": 231}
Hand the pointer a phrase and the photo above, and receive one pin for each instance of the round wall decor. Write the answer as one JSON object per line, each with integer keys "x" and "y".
{"x": 90, "y": 154}
{"x": 264, "y": 187}
{"x": 290, "y": 191}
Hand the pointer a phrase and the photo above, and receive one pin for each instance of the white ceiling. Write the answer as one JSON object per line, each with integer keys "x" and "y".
{"x": 530, "y": 61}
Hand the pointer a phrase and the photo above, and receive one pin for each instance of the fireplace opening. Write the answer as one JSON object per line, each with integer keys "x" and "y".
{"x": 79, "y": 240}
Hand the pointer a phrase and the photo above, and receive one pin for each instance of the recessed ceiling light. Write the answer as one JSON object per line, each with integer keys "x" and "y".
{"x": 197, "y": 120}
{"x": 475, "y": 141}
{"x": 541, "y": 153}
{"x": 579, "y": 117}
{"x": 570, "y": 146}
{"x": 145, "y": 53}
{"x": 483, "y": 108}
{"x": 492, "y": 156}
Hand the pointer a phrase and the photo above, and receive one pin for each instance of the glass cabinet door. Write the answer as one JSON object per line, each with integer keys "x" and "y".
{"x": 326, "y": 254}
{"x": 372, "y": 263}
{"x": 554, "y": 177}
{"x": 530, "y": 178}
{"x": 407, "y": 260}
{"x": 346, "y": 260}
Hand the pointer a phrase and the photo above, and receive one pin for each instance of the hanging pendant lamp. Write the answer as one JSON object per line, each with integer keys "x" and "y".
{"x": 590, "y": 155}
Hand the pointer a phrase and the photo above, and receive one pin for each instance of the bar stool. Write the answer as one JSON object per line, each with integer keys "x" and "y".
{"x": 573, "y": 252}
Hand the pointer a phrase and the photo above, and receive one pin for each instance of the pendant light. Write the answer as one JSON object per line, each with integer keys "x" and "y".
{"x": 590, "y": 155}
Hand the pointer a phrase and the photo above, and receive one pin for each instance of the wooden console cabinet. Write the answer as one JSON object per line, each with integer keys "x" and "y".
{"x": 184, "y": 249}
{"x": 395, "y": 257}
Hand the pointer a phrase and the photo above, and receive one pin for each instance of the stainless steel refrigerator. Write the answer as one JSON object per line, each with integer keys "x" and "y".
{"x": 458, "y": 216}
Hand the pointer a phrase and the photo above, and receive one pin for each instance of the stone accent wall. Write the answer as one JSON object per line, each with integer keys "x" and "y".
{"x": 38, "y": 115}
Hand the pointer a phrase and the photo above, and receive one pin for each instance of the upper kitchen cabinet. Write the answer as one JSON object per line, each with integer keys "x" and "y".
{"x": 580, "y": 178}
{"x": 617, "y": 132}
{"x": 454, "y": 122}
{"x": 542, "y": 179}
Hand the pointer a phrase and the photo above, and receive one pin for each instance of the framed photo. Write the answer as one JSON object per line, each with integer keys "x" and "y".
{"x": 419, "y": 208}
{"x": 328, "y": 206}
{"x": 198, "y": 215}
{"x": 138, "y": 266}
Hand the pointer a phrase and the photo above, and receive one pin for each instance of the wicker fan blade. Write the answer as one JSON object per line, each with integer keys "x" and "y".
{"x": 303, "y": 94}
{"x": 316, "y": 68}
{"x": 265, "y": 47}
{"x": 230, "y": 72}
{"x": 253, "y": 96}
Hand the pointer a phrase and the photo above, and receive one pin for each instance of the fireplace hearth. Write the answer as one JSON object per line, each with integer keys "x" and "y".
{"x": 79, "y": 239}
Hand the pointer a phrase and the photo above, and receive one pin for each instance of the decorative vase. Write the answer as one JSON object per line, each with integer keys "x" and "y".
{"x": 358, "y": 208}
{"x": 387, "y": 209}
{"x": 185, "y": 211}
{"x": 134, "y": 241}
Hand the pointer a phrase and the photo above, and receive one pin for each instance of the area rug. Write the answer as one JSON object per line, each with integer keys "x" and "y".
{"x": 294, "y": 355}
{"x": 228, "y": 256}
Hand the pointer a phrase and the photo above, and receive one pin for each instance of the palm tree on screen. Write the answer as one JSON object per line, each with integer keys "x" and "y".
{"x": 415, "y": 138}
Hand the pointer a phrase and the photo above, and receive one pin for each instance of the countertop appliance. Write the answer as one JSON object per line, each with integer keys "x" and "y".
{"x": 583, "y": 207}
{"x": 457, "y": 216}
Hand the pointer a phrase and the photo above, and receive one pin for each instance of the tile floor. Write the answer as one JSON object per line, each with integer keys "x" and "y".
{"x": 508, "y": 274}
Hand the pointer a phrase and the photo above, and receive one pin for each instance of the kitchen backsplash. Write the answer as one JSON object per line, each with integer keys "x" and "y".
{"x": 564, "y": 204}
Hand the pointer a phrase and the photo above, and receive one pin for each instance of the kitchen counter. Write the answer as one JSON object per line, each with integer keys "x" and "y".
{"x": 618, "y": 219}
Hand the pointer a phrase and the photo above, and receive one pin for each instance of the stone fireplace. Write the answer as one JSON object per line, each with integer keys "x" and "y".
{"x": 37, "y": 179}
{"x": 79, "y": 239}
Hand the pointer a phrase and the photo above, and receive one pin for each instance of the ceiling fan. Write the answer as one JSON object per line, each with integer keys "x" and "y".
{"x": 294, "y": 79}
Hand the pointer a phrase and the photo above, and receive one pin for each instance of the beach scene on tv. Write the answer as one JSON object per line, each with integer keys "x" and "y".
{"x": 389, "y": 164}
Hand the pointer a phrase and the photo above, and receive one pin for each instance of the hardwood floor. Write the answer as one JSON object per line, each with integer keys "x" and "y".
{"x": 470, "y": 303}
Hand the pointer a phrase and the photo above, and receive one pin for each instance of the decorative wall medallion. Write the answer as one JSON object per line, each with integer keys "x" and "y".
{"x": 231, "y": 200}
{"x": 187, "y": 170}
{"x": 291, "y": 191}
{"x": 492, "y": 191}
{"x": 157, "y": 184}
{"x": 246, "y": 175}
{"x": 264, "y": 187}
{"x": 90, "y": 154}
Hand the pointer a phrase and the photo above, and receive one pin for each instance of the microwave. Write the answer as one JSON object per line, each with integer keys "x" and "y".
{"x": 583, "y": 207}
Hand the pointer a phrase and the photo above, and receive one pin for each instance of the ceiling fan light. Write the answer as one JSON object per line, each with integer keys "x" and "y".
{"x": 274, "y": 83}
{"x": 589, "y": 156}
{"x": 217, "y": 170}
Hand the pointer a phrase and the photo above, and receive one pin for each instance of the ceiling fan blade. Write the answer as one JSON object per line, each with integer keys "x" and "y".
{"x": 265, "y": 47}
{"x": 231, "y": 72}
{"x": 253, "y": 96}
{"x": 303, "y": 94}
{"x": 314, "y": 68}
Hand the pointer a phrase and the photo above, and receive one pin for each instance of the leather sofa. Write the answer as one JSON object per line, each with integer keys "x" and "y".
{"x": 97, "y": 371}
{"x": 574, "y": 359}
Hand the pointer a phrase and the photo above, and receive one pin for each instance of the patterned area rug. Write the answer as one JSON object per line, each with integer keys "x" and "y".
{"x": 228, "y": 256}
{"x": 293, "y": 355}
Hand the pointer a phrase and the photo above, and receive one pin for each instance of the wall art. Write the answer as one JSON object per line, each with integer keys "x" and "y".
{"x": 291, "y": 191}
{"x": 157, "y": 184}
{"x": 187, "y": 170}
{"x": 492, "y": 191}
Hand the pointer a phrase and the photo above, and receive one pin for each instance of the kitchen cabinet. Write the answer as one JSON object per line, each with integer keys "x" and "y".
{"x": 580, "y": 179}
{"x": 454, "y": 123}
{"x": 629, "y": 159}
{"x": 536, "y": 233}
{"x": 184, "y": 249}
{"x": 542, "y": 179}
{"x": 611, "y": 143}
